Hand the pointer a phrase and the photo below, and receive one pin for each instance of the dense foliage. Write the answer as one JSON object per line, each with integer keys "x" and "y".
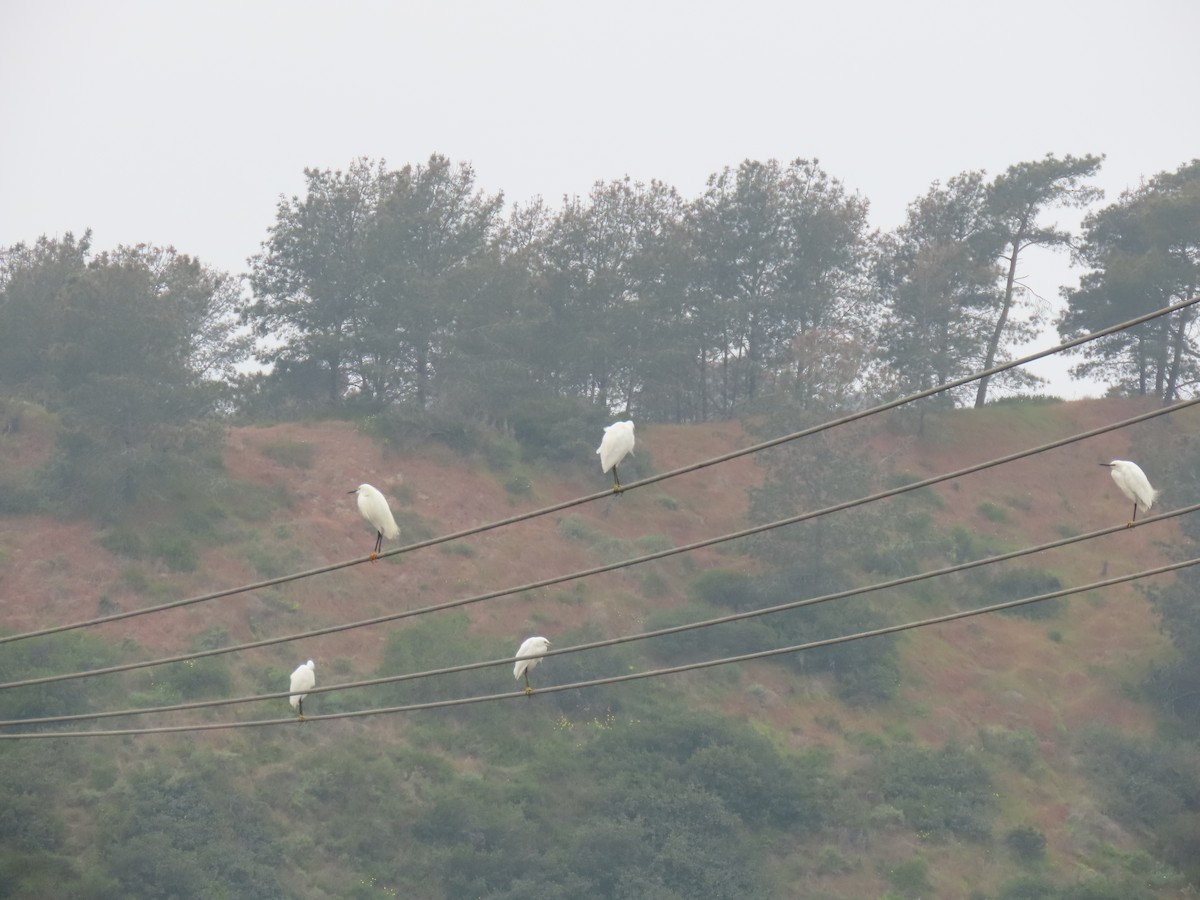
{"x": 411, "y": 301}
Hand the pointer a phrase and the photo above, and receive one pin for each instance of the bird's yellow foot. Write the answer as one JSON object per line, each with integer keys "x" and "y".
{"x": 374, "y": 556}
{"x": 300, "y": 718}
{"x": 528, "y": 692}
{"x": 1130, "y": 524}
{"x": 617, "y": 489}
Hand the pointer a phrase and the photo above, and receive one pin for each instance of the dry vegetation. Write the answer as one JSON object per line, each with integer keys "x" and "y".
{"x": 994, "y": 673}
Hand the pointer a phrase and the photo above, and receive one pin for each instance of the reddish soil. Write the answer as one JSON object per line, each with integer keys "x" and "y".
{"x": 959, "y": 677}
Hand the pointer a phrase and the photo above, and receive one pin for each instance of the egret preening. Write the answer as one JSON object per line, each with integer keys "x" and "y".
{"x": 374, "y": 508}
{"x": 616, "y": 444}
{"x": 529, "y": 647}
{"x": 1133, "y": 484}
{"x": 304, "y": 679}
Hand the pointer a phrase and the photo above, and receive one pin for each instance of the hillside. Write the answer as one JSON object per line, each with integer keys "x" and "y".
{"x": 990, "y": 674}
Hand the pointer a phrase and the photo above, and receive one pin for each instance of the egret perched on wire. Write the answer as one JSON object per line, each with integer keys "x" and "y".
{"x": 374, "y": 508}
{"x": 616, "y": 444}
{"x": 1133, "y": 484}
{"x": 304, "y": 679}
{"x": 529, "y": 647}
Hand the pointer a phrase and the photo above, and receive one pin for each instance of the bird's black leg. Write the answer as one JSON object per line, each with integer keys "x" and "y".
{"x": 300, "y": 707}
{"x": 528, "y": 686}
{"x": 378, "y": 545}
{"x": 616, "y": 482}
{"x": 1134, "y": 519}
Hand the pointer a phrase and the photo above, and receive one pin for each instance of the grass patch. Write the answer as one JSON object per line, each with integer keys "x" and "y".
{"x": 575, "y": 528}
{"x": 654, "y": 585}
{"x": 18, "y": 497}
{"x": 519, "y": 486}
{"x": 253, "y": 502}
{"x": 654, "y": 543}
{"x": 993, "y": 512}
{"x": 271, "y": 561}
{"x": 121, "y": 540}
{"x": 296, "y": 454}
{"x": 174, "y": 549}
{"x": 134, "y": 579}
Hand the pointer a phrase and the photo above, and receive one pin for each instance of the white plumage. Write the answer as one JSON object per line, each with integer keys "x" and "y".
{"x": 304, "y": 679}
{"x": 374, "y": 508}
{"x": 616, "y": 444}
{"x": 1133, "y": 484}
{"x": 529, "y": 647}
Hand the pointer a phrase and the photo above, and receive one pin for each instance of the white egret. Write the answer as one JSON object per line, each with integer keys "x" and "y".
{"x": 529, "y": 647}
{"x": 616, "y": 444}
{"x": 374, "y": 508}
{"x": 304, "y": 679}
{"x": 1133, "y": 484}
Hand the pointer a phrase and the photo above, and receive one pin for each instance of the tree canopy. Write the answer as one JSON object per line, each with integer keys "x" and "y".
{"x": 1144, "y": 251}
{"x": 384, "y": 289}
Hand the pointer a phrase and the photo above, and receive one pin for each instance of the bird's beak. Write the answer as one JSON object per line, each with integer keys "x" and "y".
{"x": 355, "y": 491}
{"x": 1105, "y": 465}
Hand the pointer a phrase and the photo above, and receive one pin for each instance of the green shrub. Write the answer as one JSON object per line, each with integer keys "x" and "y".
{"x": 106, "y": 606}
{"x": 654, "y": 585}
{"x": 519, "y": 485}
{"x": 729, "y": 639}
{"x": 727, "y": 588}
{"x": 122, "y": 540}
{"x": 19, "y": 497}
{"x": 1144, "y": 783}
{"x": 501, "y": 452}
{"x": 1026, "y": 843}
{"x": 296, "y": 454}
{"x": 993, "y": 512}
{"x": 174, "y": 549}
{"x": 558, "y": 428}
{"x": 1019, "y": 746}
{"x": 207, "y": 677}
{"x": 831, "y": 861}
{"x": 885, "y": 815}
{"x": 407, "y": 425}
{"x": 941, "y": 792}
{"x": 135, "y": 579}
{"x": 435, "y": 642}
{"x": 575, "y": 528}
{"x": 653, "y": 543}
{"x": 1019, "y": 583}
{"x": 254, "y": 502}
{"x": 1029, "y": 887}
{"x": 910, "y": 877}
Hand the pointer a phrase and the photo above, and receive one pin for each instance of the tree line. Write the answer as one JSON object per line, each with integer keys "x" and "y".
{"x": 381, "y": 287}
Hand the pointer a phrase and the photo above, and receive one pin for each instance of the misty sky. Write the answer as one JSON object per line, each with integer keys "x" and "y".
{"x": 182, "y": 123}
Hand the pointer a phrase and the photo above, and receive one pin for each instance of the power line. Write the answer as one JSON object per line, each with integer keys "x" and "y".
{"x": 633, "y": 676}
{"x": 609, "y": 642}
{"x": 578, "y": 501}
{"x": 609, "y": 567}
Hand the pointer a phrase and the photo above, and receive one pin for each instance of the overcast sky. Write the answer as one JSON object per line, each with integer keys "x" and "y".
{"x": 183, "y": 122}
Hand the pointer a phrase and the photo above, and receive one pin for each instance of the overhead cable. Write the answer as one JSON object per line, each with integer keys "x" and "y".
{"x": 578, "y": 501}
{"x": 609, "y": 567}
{"x": 626, "y": 639}
{"x": 616, "y": 679}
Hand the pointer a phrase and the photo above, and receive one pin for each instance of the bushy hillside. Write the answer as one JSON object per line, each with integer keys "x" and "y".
{"x": 997, "y": 756}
